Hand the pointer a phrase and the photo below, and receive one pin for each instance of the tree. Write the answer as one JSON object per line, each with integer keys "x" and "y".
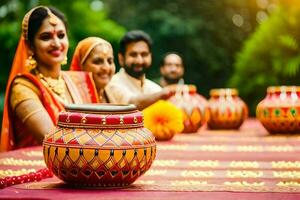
{"x": 270, "y": 56}
{"x": 201, "y": 31}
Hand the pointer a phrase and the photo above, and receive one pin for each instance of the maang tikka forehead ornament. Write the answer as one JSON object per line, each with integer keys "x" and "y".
{"x": 53, "y": 20}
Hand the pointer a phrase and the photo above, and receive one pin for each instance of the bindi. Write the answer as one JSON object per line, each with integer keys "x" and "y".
{"x": 54, "y": 32}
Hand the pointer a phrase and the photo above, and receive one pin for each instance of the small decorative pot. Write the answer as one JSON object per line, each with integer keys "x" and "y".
{"x": 279, "y": 110}
{"x": 193, "y": 106}
{"x": 226, "y": 109}
{"x": 99, "y": 145}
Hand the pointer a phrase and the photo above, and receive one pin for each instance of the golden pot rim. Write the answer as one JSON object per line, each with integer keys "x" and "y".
{"x": 185, "y": 87}
{"x": 224, "y": 92}
{"x": 283, "y": 88}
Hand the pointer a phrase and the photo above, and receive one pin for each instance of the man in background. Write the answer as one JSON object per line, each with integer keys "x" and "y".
{"x": 171, "y": 69}
{"x": 135, "y": 59}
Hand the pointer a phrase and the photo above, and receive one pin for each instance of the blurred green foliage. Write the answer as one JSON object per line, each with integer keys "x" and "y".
{"x": 270, "y": 56}
{"x": 201, "y": 31}
{"x": 208, "y": 34}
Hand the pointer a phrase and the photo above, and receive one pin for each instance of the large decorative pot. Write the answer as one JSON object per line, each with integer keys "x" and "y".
{"x": 279, "y": 110}
{"x": 99, "y": 145}
{"x": 193, "y": 106}
{"x": 226, "y": 109}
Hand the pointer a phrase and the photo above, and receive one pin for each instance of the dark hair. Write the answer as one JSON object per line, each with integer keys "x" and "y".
{"x": 36, "y": 19}
{"x": 134, "y": 36}
{"x": 163, "y": 58}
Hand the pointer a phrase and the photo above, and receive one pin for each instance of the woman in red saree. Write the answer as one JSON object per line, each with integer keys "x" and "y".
{"x": 37, "y": 89}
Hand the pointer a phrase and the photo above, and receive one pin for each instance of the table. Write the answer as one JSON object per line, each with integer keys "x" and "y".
{"x": 234, "y": 164}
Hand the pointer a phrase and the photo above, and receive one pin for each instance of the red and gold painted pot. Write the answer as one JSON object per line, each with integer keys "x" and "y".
{"x": 226, "y": 109}
{"x": 99, "y": 145}
{"x": 279, "y": 110}
{"x": 193, "y": 106}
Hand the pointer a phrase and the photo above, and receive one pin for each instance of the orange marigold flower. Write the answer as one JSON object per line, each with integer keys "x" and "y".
{"x": 163, "y": 119}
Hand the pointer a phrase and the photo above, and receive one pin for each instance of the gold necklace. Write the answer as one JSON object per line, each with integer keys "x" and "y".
{"x": 57, "y": 86}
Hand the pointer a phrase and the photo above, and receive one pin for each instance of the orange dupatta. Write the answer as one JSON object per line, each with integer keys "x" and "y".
{"x": 83, "y": 49}
{"x": 18, "y": 69}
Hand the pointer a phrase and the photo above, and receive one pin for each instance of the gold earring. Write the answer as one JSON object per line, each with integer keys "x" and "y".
{"x": 31, "y": 63}
{"x": 65, "y": 61}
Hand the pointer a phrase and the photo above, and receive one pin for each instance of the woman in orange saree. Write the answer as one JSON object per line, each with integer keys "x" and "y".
{"x": 95, "y": 55}
{"x": 37, "y": 89}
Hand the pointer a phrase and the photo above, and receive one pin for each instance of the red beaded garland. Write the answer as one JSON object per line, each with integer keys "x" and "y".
{"x": 25, "y": 178}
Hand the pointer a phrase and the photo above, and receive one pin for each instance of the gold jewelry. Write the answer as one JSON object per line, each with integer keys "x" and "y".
{"x": 65, "y": 61}
{"x": 30, "y": 63}
{"x": 57, "y": 86}
{"x": 25, "y": 22}
{"x": 53, "y": 20}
